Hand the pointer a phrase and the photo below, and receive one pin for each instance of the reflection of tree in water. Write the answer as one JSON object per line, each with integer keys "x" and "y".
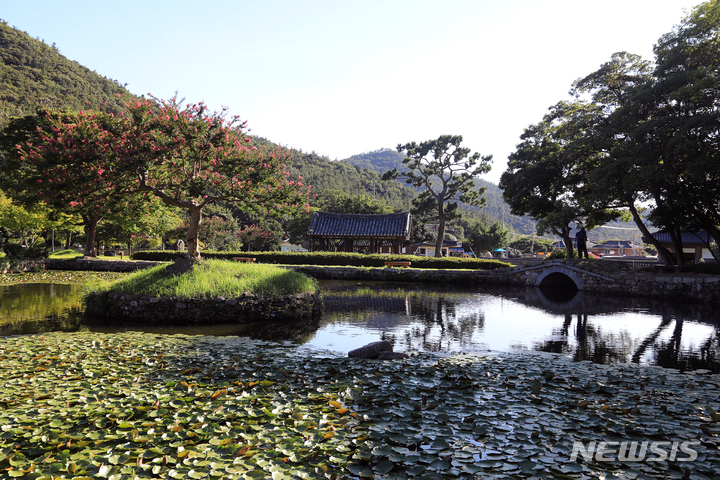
{"x": 667, "y": 353}
{"x": 591, "y": 343}
{"x": 441, "y": 328}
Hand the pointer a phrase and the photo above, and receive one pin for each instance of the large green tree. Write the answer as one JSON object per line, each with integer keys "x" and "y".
{"x": 185, "y": 155}
{"x": 446, "y": 172}
{"x": 546, "y": 176}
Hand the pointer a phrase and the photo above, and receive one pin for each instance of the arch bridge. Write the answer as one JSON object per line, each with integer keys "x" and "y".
{"x": 562, "y": 275}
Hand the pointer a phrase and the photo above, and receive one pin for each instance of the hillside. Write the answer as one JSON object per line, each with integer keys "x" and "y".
{"x": 35, "y": 76}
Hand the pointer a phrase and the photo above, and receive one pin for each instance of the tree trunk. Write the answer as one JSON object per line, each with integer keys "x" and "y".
{"x": 662, "y": 251}
{"x": 441, "y": 230}
{"x": 676, "y": 237}
{"x": 91, "y": 226}
{"x": 568, "y": 243}
{"x": 193, "y": 246}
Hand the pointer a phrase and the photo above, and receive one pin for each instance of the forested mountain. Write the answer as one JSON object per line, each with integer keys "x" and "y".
{"x": 34, "y": 75}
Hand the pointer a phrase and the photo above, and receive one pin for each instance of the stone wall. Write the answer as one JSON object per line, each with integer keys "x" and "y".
{"x": 624, "y": 282}
{"x": 24, "y": 266}
{"x": 247, "y": 308}
{"x": 592, "y": 276}
{"x": 97, "y": 265}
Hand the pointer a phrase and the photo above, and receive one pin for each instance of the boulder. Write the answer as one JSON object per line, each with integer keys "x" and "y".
{"x": 371, "y": 350}
{"x": 392, "y": 356}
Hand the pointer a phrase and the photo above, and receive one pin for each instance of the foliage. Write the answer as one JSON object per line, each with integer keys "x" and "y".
{"x": 545, "y": 178}
{"x": 189, "y": 158}
{"x": 636, "y": 134}
{"x": 336, "y": 258}
{"x": 133, "y": 404}
{"x": 525, "y": 244}
{"x": 446, "y": 172}
{"x": 257, "y": 239}
{"x": 557, "y": 255}
{"x": 25, "y": 224}
{"x": 325, "y": 175}
{"x": 213, "y": 278}
{"x": 70, "y": 162}
{"x": 484, "y": 237}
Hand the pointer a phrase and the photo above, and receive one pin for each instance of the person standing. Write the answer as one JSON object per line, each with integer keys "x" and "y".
{"x": 581, "y": 239}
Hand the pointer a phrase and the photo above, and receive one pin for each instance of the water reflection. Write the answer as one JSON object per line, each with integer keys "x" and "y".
{"x": 422, "y": 317}
{"x": 37, "y": 308}
{"x": 599, "y": 328}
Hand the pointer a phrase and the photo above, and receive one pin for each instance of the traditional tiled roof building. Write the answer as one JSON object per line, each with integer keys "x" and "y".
{"x": 344, "y": 232}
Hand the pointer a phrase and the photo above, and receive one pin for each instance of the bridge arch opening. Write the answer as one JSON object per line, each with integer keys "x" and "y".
{"x": 558, "y": 279}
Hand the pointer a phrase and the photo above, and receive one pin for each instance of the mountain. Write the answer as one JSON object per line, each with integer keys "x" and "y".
{"x": 34, "y": 75}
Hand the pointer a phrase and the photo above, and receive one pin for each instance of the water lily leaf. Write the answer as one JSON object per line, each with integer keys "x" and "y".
{"x": 361, "y": 471}
{"x": 383, "y": 467}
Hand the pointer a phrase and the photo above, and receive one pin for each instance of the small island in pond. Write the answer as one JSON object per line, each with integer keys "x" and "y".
{"x": 210, "y": 291}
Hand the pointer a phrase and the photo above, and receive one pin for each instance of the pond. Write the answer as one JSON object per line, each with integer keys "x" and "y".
{"x": 424, "y": 317}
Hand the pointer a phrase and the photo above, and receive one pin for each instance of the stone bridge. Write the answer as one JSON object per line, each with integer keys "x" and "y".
{"x": 562, "y": 275}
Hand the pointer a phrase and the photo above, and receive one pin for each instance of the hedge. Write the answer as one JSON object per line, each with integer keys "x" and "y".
{"x": 335, "y": 259}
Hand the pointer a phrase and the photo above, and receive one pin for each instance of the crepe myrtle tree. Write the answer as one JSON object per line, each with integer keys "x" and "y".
{"x": 69, "y": 161}
{"x": 446, "y": 172}
{"x": 190, "y": 157}
{"x": 94, "y": 163}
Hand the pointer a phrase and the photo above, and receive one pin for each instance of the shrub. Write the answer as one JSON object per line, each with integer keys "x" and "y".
{"x": 557, "y": 255}
{"x": 336, "y": 259}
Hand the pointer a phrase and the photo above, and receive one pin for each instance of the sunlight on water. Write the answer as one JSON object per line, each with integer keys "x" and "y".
{"x": 423, "y": 317}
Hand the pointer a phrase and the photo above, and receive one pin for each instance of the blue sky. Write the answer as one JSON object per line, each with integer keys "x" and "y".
{"x": 341, "y": 78}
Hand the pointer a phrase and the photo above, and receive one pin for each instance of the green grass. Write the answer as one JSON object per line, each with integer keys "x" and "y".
{"x": 65, "y": 254}
{"x": 213, "y": 278}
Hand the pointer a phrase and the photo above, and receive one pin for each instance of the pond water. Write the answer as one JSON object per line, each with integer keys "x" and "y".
{"x": 423, "y": 317}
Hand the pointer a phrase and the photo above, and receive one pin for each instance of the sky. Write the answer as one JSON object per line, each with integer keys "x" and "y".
{"x": 341, "y": 78}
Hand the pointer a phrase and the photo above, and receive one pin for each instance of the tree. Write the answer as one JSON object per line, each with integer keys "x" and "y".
{"x": 189, "y": 158}
{"x": 27, "y": 225}
{"x": 68, "y": 161}
{"x": 446, "y": 171}
{"x": 184, "y": 155}
{"x": 546, "y": 176}
{"x": 680, "y": 116}
{"x": 486, "y": 237}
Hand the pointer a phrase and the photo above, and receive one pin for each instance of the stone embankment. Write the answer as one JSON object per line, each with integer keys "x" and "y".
{"x": 590, "y": 276}
{"x": 247, "y": 308}
{"x": 98, "y": 265}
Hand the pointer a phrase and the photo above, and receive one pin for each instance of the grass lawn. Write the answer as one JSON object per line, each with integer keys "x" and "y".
{"x": 64, "y": 254}
{"x": 213, "y": 278}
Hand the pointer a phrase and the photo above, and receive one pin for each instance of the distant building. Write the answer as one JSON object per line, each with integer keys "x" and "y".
{"x": 344, "y": 232}
{"x": 614, "y": 248}
{"x": 450, "y": 248}
{"x": 695, "y": 245}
